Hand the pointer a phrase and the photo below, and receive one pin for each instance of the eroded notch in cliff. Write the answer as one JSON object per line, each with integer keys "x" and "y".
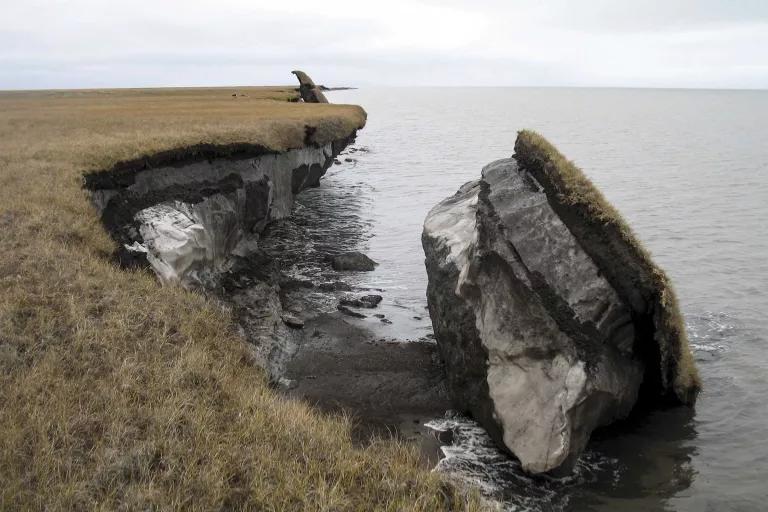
{"x": 187, "y": 212}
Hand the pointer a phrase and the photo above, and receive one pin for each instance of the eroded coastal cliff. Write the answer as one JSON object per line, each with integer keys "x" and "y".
{"x": 188, "y": 212}
{"x": 122, "y": 394}
{"x": 194, "y": 215}
{"x": 205, "y": 217}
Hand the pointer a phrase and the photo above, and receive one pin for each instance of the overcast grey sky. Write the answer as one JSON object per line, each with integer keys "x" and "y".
{"x": 633, "y": 43}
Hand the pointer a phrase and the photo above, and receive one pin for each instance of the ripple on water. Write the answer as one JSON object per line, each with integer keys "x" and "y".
{"x": 710, "y": 333}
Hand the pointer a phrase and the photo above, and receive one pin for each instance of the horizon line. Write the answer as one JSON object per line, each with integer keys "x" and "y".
{"x": 422, "y": 86}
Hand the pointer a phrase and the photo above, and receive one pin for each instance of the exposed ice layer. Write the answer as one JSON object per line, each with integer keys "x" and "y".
{"x": 190, "y": 241}
{"x": 188, "y": 220}
{"x": 453, "y": 223}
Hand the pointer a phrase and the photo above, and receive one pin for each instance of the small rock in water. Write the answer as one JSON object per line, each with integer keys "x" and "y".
{"x": 335, "y": 286}
{"x": 366, "y": 301}
{"x": 386, "y": 321}
{"x": 379, "y": 315}
{"x": 353, "y": 260}
{"x": 345, "y": 310}
{"x": 417, "y": 318}
{"x": 292, "y": 321}
{"x": 290, "y": 283}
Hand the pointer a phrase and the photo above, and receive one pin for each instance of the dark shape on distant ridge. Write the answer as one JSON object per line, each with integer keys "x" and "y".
{"x": 310, "y": 93}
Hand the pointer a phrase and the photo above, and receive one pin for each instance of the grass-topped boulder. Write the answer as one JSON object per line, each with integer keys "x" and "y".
{"x": 551, "y": 318}
{"x": 671, "y": 375}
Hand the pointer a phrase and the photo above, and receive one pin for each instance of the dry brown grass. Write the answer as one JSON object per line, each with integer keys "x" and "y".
{"x": 580, "y": 197}
{"x": 119, "y": 394}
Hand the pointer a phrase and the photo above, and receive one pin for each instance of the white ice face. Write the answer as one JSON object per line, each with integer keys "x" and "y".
{"x": 192, "y": 242}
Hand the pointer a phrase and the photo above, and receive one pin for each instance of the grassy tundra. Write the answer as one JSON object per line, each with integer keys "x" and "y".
{"x": 116, "y": 393}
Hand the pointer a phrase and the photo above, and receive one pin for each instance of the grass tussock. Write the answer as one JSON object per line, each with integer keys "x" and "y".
{"x": 610, "y": 240}
{"x": 119, "y": 394}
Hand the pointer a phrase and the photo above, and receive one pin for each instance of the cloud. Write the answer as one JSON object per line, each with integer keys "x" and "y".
{"x": 87, "y": 43}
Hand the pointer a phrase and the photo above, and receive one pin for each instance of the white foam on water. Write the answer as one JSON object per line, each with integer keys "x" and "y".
{"x": 472, "y": 457}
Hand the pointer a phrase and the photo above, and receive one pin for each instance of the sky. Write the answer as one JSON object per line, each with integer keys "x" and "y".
{"x": 586, "y": 43}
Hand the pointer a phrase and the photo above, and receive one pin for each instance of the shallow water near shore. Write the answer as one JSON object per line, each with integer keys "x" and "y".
{"x": 688, "y": 169}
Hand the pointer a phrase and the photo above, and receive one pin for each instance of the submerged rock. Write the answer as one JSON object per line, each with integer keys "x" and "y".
{"x": 292, "y": 321}
{"x": 293, "y": 283}
{"x": 333, "y": 286}
{"x": 353, "y": 261}
{"x": 345, "y": 310}
{"x": 550, "y": 317}
{"x": 366, "y": 301}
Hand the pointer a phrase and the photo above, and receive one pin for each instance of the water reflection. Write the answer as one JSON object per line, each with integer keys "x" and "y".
{"x": 652, "y": 458}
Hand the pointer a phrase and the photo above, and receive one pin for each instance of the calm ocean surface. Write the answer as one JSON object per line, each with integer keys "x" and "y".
{"x": 689, "y": 170}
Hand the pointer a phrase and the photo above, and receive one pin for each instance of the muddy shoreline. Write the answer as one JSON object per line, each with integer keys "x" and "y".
{"x": 285, "y": 298}
{"x": 389, "y": 387}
